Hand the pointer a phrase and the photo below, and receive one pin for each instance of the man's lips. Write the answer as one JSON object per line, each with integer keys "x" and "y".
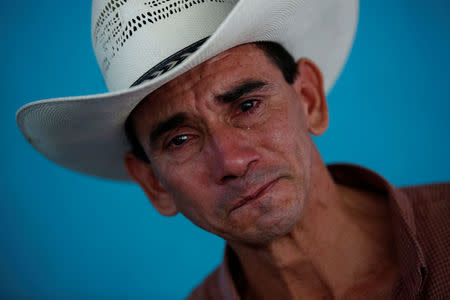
{"x": 258, "y": 193}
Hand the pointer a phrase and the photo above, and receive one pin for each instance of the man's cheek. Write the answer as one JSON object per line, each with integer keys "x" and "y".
{"x": 280, "y": 132}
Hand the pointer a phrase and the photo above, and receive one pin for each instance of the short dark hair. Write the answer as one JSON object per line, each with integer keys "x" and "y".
{"x": 279, "y": 56}
{"x": 274, "y": 51}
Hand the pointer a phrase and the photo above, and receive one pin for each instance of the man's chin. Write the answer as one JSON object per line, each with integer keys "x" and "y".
{"x": 267, "y": 228}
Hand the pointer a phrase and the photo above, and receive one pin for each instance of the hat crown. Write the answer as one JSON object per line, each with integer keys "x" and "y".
{"x": 130, "y": 37}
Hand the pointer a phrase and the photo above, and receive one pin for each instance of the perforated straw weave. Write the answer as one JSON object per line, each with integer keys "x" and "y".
{"x": 125, "y": 28}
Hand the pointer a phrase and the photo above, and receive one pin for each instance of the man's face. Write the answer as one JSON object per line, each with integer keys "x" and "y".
{"x": 229, "y": 144}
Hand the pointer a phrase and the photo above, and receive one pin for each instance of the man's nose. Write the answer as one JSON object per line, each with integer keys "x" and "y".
{"x": 231, "y": 153}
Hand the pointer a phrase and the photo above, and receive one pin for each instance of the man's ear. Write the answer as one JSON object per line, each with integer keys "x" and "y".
{"x": 142, "y": 173}
{"x": 309, "y": 85}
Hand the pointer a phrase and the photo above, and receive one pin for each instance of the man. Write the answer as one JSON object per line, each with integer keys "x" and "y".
{"x": 223, "y": 136}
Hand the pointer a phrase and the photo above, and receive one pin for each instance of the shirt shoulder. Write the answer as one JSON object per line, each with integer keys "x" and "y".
{"x": 208, "y": 289}
{"x": 428, "y": 194}
{"x": 219, "y": 285}
{"x": 431, "y": 206}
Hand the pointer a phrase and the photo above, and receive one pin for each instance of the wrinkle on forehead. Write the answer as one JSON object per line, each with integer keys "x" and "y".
{"x": 189, "y": 81}
{"x": 225, "y": 61}
{"x": 218, "y": 57}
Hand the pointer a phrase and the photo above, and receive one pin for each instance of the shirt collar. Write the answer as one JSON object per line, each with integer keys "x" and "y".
{"x": 412, "y": 267}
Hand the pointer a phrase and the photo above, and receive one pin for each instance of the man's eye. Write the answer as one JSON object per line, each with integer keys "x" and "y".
{"x": 178, "y": 140}
{"x": 247, "y": 105}
{"x": 181, "y": 143}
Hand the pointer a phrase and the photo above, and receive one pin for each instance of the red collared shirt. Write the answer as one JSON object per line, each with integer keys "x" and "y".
{"x": 421, "y": 226}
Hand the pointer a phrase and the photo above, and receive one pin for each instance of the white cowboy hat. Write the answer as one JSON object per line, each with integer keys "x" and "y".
{"x": 141, "y": 45}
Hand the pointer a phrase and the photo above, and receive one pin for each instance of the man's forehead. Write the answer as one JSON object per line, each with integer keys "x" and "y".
{"x": 211, "y": 76}
{"x": 226, "y": 60}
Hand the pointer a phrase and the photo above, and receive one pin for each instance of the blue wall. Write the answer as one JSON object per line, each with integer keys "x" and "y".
{"x": 67, "y": 235}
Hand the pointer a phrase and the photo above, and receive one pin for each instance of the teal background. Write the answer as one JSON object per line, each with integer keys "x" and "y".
{"x": 68, "y": 236}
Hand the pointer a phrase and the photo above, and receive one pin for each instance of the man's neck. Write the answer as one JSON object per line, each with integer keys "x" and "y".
{"x": 342, "y": 248}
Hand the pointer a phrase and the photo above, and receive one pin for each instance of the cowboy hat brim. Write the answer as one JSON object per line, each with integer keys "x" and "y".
{"x": 87, "y": 134}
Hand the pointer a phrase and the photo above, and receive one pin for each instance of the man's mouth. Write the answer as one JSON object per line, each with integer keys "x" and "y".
{"x": 261, "y": 191}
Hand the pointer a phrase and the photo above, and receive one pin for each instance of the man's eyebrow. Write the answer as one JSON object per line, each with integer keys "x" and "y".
{"x": 166, "y": 125}
{"x": 240, "y": 90}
